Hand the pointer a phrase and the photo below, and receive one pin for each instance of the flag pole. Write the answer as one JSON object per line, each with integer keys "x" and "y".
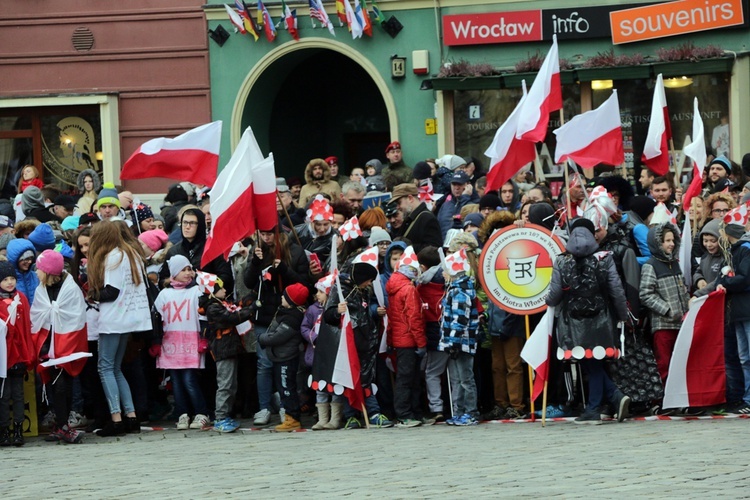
{"x": 531, "y": 373}
{"x": 544, "y": 404}
{"x": 566, "y": 193}
{"x": 367, "y": 418}
{"x": 291, "y": 224}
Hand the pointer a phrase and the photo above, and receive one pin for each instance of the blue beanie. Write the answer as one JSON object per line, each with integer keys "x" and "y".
{"x": 42, "y": 237}
{"x": 70, "y": 222}
{"x": 108, "y": 196}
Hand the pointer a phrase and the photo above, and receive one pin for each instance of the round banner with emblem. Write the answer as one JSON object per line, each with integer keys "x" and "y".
{"x": 515, "y": 267}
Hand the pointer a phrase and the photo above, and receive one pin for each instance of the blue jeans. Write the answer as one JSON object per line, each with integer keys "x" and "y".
{"x": 265, "y": 372}
{"x": 600, "y": 385}
{"x": 743, "y": 347}
{"x": 463, "y": 385}
{"x": 371, "y": 405}
{"x": 733, "y": 368}
{"x": 116, "y": 389}
{"x": 187, "y": 392}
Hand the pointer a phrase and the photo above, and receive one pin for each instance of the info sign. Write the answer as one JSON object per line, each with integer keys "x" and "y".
{"x": 515, "y": 267}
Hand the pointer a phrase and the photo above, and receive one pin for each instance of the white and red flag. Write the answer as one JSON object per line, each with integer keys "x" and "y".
{"x": 696, "y": 371}
{"x": 290, "y": 20}
{"x": 235, "y": 19}
{"x": 351, "y": 20}
{"x": 536, "y": 350}
{"x": 192, "y": 156}
{"x": 544, "y": 97}
{"x": 656, "y": 149}
{"x": 593, "y": 137}
{"x": 696, "y": 151}
{"x": 242, "y": 200}
{"x": 507, "y": 153}
{"x": 350, "y": 229}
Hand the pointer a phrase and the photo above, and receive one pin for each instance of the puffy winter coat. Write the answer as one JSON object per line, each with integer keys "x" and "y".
{"x": 405, "y": 320}
{"x": 27, "y": 281}
{"x": 221, "y": 333}
{"x": 282, "y": 340}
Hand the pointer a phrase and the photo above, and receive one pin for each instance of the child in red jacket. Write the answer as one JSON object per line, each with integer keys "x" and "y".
{"x": 406, "y": 335}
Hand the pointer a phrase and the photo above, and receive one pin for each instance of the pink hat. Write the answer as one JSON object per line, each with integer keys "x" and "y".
{"x": 50, "y": 262}
{"x": 154, "y": 239}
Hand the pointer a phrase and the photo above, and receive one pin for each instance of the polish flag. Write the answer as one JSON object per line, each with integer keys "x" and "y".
{"x": 696, "y": 151}
{"x": 235, "y": 19}
{"x": 696, "y": 372}
{"x": 593, "y": 137}
{"x": 508, "y": 153}
{"x": 242, "y": 200}
{"x": 536, "y": 350}
{"x": 346, "y": 370}
{"x": 192, "y": 156}
{"x": 655, "y": 150}
{"x": 544, "y": 97}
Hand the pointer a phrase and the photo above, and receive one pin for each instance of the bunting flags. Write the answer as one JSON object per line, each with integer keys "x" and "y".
{"x": 363, "y": 17}
{"x": 379, "y": 17}
{"x": 235, "y": 19}
{"x": 290, "y": 20}
{"x": 268, "y": 26}
{"x": 696, "y": 151}
{"x": 655, "y": 150}
{"x": 351, "y": 19}
{"x": 247, "y": 19}
{"x": 318, "y": 12}
{"x": 341, "y": 11}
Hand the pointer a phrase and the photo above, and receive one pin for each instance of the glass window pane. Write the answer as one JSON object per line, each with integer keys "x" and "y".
{"x": 14, "y": 154}
{"x": 69, "y": 145}
{"x": 8, "y": 123}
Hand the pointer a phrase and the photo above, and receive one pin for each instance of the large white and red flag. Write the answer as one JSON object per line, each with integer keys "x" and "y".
{"x": 656, "y": 149}
{"x": 544, "y": 97}
{"x": 242, "y": 200}
{"x": 508, "y": 153}
{"x": 536, "y": 350}
{"x": 696, "y": 151}
{"x": 593, "y": 137}
{"x": 696, "y": 372}
{"x": 192, "y": 156}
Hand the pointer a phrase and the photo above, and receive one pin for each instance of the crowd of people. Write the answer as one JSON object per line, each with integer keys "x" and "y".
{"x": 107, "y": 300}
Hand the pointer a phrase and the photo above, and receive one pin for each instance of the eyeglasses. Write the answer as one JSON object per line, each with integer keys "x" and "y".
{"x": 720, "y": 210}
{"x": 383, "y": 244}
{"x": 189, "y": 223}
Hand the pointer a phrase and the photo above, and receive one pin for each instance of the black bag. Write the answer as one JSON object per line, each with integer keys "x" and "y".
{"x": 157, "y": 328}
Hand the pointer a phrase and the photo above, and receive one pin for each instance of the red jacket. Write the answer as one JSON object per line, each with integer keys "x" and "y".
{"x": 19, "y": 344}
{"x": 405, "y": 321}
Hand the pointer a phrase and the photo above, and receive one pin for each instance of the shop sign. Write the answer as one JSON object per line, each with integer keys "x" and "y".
{"x": 515, "y": 267}
{"x": 674, "y": 18}
{"x": 581, "y": 22}
{"x": 494, "y": 27}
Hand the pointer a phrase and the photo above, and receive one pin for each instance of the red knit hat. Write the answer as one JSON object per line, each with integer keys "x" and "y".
{"x": 296, "y": 294}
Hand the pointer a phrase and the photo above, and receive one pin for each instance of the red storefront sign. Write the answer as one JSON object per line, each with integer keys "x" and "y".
{"x": 493, "y": 27}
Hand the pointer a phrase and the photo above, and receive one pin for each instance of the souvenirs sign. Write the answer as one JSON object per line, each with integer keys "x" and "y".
{"x": 516, "y": 267}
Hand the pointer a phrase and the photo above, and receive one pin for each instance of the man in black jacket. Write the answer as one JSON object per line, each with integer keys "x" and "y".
{"x": 420, "y": 226}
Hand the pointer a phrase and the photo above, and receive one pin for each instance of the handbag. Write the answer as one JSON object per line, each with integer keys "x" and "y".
{"x": 157, "y": 327}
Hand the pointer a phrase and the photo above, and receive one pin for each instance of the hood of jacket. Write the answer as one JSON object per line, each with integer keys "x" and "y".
{"x": 18, "y": 247}
{"x": 396, "y": 282}
{"x": 94, "y": 176}
{"x": 387, "y": 269}
{"x": 656, "y": 238}
{"x": 465, "y": 284}
{"x": 581, "y": 243}
{"x": 326, "y": 171}
{"x": 513, "y": 205}
{"x": 712, "y": 228}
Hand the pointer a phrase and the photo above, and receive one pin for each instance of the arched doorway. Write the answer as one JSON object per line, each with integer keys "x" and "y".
{"x": 316, "y": 101}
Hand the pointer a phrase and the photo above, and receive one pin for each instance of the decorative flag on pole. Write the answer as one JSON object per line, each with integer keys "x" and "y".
{"x": 379, "y": 17}
{"x": 235, "y": 19}
{"x": 247, "y": 19}
{"x": 686, "y": 257}
{"x": 341, "y": 12}
{"x": 593, "y": 137}
{"x": 351, "y": 20}
{"x": 544, "y": 97}
{"x": 656, "y": 149}
{"x": 696, "y": 371}
{"x": 363, "y": 16}
{"x": 508, "y": 154}
{"x": 290, "y": 20}
{"x": 243, "y": 199}
{"x": 268, "y": 26}
{"x": 319, "y": 12}
{"x": 696, "y": 151}
{"x": 350, "y": 229}
{"x": 536, "y": 350}
{"x": 192, "y": 156}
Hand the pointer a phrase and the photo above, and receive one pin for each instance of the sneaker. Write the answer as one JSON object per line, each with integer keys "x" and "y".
{"x": 262, "y": 417}
{"x": 226, "y": 425}
{"x": 451, "y": 421}
{"x": 288, "y": 425}
{"x": 48, "y": 421}
{"x": 438, "y": 416}
{"x": 409, "y": 422}
{"x": 623, "y": 408}
{"x": 691, "y": 412}
{"x": 512, "y": 414}
{"x": 465, "y": 420}
{"x": 665, "y": 412}
{"x": 554, "y": 411}
{"x": 66, "y": 435}
{"x": 380, "y": 421}
{"x": 183, "y": 423}
{"x": 353, "y": 423}
{"x": 606, "y": 412}
{"x": 497, "y": 413}
{"x": 76, "y": 420}
{"x": 428, "y": 421}
{"x": 200, "y": 422}
{"x": 590, "y": 417}
{"x": 742, "y": 409}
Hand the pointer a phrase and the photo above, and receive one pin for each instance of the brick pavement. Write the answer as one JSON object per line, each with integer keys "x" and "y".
{"x": 666, "y": 459}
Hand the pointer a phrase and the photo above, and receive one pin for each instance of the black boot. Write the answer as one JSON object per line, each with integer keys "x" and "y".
{"x": 4, "y": 436}
{"x": 133, "y": 426}
{"x": 112, "y": 429}
{"x": 18, "y": 434}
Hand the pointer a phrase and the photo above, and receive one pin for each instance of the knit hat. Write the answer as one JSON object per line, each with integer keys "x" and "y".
{"x": 31, "y": 199}
{"x": 724, "y": 162}
{"x": 176, "y": 193}
{"x": 734, "y": 230}
{"x": 5, "y": 221}
{"x": 540, "y": 214}
{"x": 451, "y": 162}
{"x": 42, "y": 237}
{"x": 475, "y": 219}
{"x": 463, "y": 240}
{"x": 86, "y": 219}
{"x": 584, "y": 223}
{"x": 154, "y": 239}
{"x": 422, "y": 170}
{"x": 489, "y": 200}
{"x": 108, "y": 196}
{"x": 177, "y": 263}
{"x": 70, "y": 222}
{"x": 66, "y": 201}
{"x": 362, "y": 272}
{"x": 5, "y": 239}
{"x": 642, "y": 206}
{"x": 6, "y": 270}
{"x": 141, "y": 212}
{"x": 378, "y": 234}
{"x": 293, "y": 181}
{"x": 50, "y": 262}
{"x": 296, "y": 294}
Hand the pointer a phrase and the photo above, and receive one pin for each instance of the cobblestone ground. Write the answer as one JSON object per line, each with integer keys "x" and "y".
{"x": 666, "y": 459}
